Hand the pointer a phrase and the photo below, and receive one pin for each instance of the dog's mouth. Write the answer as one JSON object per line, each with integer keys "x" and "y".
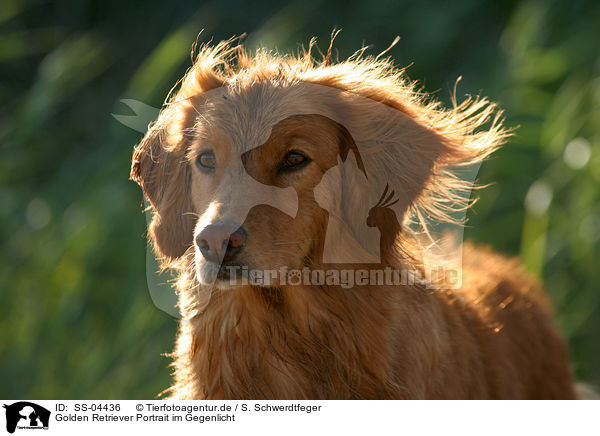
{"x": 227, "y": 274}
{"x": 233, "y": 274}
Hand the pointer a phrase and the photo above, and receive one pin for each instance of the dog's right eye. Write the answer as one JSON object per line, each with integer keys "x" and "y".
{"x": 206, "y": 161}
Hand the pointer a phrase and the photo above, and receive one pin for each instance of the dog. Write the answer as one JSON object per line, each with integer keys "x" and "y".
{"x": 274, "y": 163}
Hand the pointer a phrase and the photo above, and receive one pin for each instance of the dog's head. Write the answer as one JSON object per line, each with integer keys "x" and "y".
{"x": 278, "y": 162}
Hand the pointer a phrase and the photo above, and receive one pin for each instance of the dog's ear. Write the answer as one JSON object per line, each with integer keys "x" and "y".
{"x": 415, "y": 150}
{"x": 160, "y": 165}
{"x": 427, "y": 153}
{"x": 160, "y": 168}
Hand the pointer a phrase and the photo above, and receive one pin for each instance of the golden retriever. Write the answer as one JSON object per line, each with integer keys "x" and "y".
{"x": 286, "y": 164}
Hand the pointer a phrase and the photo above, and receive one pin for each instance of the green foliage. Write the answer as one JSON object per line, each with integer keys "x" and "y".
{"x": 76, "y": 317}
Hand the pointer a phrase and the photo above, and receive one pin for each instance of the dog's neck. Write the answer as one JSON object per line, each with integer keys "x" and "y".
{"x": 288, "y": 338}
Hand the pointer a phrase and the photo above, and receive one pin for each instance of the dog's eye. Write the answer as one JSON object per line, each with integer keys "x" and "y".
{"x": 206, "y": 161}
{"x": 294, "y": 160}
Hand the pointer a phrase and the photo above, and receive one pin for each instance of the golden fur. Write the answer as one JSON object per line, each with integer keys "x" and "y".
{"x": 492, "y": 338}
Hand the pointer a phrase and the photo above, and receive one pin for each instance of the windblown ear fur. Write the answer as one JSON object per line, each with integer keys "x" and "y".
{"x": 412, "y": 153}
{"x": 414, "y": 149}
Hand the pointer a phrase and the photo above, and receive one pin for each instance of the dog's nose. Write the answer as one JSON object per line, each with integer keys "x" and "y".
{"x": 221, "y": 242}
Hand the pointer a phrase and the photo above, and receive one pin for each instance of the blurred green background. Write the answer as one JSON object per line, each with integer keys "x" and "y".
{"x": 76, "y": 317}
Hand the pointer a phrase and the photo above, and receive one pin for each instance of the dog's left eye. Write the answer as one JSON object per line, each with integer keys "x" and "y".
{"x": 293, "y": 160}
{"x": 206, "y": 161}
